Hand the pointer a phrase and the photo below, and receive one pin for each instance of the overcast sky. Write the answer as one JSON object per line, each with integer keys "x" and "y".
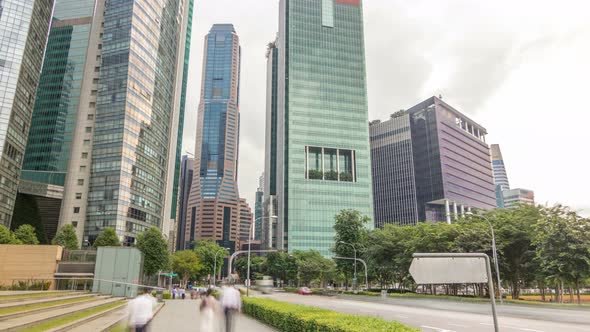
{"x": 519, "y": 68}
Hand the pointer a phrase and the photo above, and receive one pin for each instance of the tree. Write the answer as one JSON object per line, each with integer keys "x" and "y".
{"x": 66, "y": 237}
{"x": 26, "y": 234}
{"x": 107, "y": 238}
{"x": 7, "y": 237}
{"x": 389, "y": 253}
{"x": 563, "y": 247}
{"x": 282, "y": 266}
{"x": 312, "y": 267}
{"x": 350, "y": 228}
{"x": 256, "y": 265}
{"x": 186, "y": 263}
{"x": 208, "y": 251}
{"x": 155, "y": 251}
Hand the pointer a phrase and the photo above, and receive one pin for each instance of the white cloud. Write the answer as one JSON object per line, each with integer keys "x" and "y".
{"x": 520, "y": 68}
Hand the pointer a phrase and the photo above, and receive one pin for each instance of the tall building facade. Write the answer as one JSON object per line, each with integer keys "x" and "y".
{"x": 500, "y": 175}
{"x": 270, "y": 207}
{"x": 111, "y": 97}
{"x": 430, "y": 163}
{"x": 258, "y": 209}
{"x": 24, "y": 25}
{"x": 451, "y": 162}
{"x": 323, "y": 154}
{"x": 186, "y": 181}
{"x": 214, "y": 202}
{"x": 394, "y": 181}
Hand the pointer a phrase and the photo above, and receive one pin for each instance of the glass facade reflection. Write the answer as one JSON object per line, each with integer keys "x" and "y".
{"x": 322, "y": 110}
{"x": 24, "y": 26}
{"x": 135, "y": 111}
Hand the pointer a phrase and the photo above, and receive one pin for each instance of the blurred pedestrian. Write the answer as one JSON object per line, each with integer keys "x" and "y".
{"x": 174, "y": 292}
{"x": 209, "y": 311}
{"x": 141, "y": 311}
{"x": 182, "y": 293}
{"x": 231, "y": 303}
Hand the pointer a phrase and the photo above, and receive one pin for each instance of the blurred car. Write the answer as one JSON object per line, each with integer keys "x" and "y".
{"x": 304, "y": 291}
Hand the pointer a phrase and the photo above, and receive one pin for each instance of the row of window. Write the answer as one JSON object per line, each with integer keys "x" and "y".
{"x": 330, "y": 164}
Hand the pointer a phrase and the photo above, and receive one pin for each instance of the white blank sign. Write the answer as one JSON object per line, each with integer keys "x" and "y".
{"x": 449, "y": 270}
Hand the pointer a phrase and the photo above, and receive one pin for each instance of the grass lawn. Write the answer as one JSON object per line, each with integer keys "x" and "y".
{"x": 33, "y": 295}
{"x": 26, "y": 307}
{"x": 72, "y": 317}
{"x": 121, "y": 327}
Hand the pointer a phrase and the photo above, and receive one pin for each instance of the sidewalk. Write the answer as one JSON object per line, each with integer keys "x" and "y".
{"x": 183, "y": 315}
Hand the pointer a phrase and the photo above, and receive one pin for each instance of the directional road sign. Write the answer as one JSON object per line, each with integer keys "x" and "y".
{"x": 449, "y": 270}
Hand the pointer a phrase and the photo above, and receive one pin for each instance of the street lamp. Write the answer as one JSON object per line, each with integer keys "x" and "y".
{"x": 354, "y": 248}
{"x": 215, "y": 266}
{"x": 494, "y": 253}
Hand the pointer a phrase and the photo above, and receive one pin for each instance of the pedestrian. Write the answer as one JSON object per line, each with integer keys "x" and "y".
{"x": 141, "y": 311}
{"x": 209, "y": 309}
{"x": 182, "y": 294}
{"x": 174, "y": 292}
{"x": 231, "y": 303}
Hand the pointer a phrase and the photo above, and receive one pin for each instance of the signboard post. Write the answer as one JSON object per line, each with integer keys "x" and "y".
{"x": 449, "y": 268}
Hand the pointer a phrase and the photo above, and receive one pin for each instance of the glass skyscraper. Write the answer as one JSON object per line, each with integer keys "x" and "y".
{"x": 323, "y": 155}
{"x": 24, "y": 25}
{"x": 269, "y": 204}
{"x": 214, "y": 202}
{"x": 500, "y": 175}
{"x": 111, "y": 100}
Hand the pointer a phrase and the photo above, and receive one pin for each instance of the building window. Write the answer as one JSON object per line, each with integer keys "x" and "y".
{"x": 75, "y": 223}
{"x": 86, "y": 142}
{"x": 78, "y": 195}
{"x": 330, "y": 164}
{"x": 84, "y": 155}
{"x": 77, "y": 209}
{"x": 90, "y": 116}
{"x": 88, "y": 129}
{"x": 82, "y": 168}
{"x": 80, "y": 182}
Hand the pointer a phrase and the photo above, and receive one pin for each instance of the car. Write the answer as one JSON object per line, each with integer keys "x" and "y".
{"x": 304, "y": 291}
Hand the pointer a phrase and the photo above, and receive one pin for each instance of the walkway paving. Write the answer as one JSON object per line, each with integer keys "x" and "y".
{"x": 183, "y": 315}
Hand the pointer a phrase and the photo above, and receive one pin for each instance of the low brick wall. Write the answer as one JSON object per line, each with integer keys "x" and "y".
{"x": 23, "y": 262}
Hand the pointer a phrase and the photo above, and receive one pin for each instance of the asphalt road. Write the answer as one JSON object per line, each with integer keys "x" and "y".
{"x": 450, "y": 316}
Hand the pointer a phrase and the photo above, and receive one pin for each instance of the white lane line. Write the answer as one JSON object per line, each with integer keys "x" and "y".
{"x": 437, "y": 329}
{"x": 513, "y": 327}
{"x": 459, "y": 325}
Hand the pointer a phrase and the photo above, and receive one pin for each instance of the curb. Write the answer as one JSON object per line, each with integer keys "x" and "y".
{"x": 85, "y": 320}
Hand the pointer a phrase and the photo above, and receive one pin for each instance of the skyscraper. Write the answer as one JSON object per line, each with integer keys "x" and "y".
{"x": 513, "y": 197}
{"x": 500, "y": 175}
{"x": 111, "y": 98}
{"x": 394, "y": 181}
{"x": 270, "y": 208}
{"x": 258, "y": 209}
{"x": 214, "y": 203}
{"x": 186, "y": 181}
{"x": 24, "y": 25}
{"x": 323, "y": 155}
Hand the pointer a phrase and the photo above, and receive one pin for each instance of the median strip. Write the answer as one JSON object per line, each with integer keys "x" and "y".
{"x": 289, "y": 317}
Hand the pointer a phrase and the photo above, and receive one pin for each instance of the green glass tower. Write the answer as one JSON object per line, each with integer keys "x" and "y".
{"x": 323, "y": 154}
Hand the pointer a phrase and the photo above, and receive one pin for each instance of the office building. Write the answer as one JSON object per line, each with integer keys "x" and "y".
{"x": 432, "y": 155}
{"x": 24, "y": 26}
{"x": 108, "y": 116}
{"x": 392, "y": 161}
{"x": 245, "y": 221}
{"x": 514, "y": 197}
{"x": 186, "y": 180}
{"x": 500, "y": 175}
{"x": 258, "y": 209}
{"x": 269, "y": 215}
{"x": 323, "y": 154}
{"x": 214, "y": 202}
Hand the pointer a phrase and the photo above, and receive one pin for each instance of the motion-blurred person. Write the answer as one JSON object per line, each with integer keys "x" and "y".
{"x": 141, "y": 311}
{"x": 231, "y": 303}
{"x": 209, "y": 312}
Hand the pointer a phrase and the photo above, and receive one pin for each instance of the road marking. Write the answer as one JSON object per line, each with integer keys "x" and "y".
{"x": 459, "y": 325}
{"x": 514, "y": 327}
{"x": 438, "y": 329}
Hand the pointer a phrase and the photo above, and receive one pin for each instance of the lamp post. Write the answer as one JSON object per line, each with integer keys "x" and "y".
{"x": 215, "y": 266}
{"x": 354, "y": 279}
{"x": 494, "y": 253}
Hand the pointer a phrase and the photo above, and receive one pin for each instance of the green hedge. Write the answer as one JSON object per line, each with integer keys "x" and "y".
{"x": 289, "y": 317}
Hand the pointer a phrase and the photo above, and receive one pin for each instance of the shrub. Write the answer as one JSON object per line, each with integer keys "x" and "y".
{"x": 289, "y": 317}
{"x": 166, "y": 296}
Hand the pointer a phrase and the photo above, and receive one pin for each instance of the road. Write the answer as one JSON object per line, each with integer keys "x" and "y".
{"x": 449, "y": 316}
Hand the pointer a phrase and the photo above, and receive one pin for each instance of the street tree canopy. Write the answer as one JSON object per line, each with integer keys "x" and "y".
{"x": 155, "y": 251}
{"x": 26, "y": 234}
{"x": 7, "y": 237}
{"x": 206, "y": 250}
{"x": 107, "y": 238}
{"x": 186, "y": 263}
{"x": 66, "y": 237}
